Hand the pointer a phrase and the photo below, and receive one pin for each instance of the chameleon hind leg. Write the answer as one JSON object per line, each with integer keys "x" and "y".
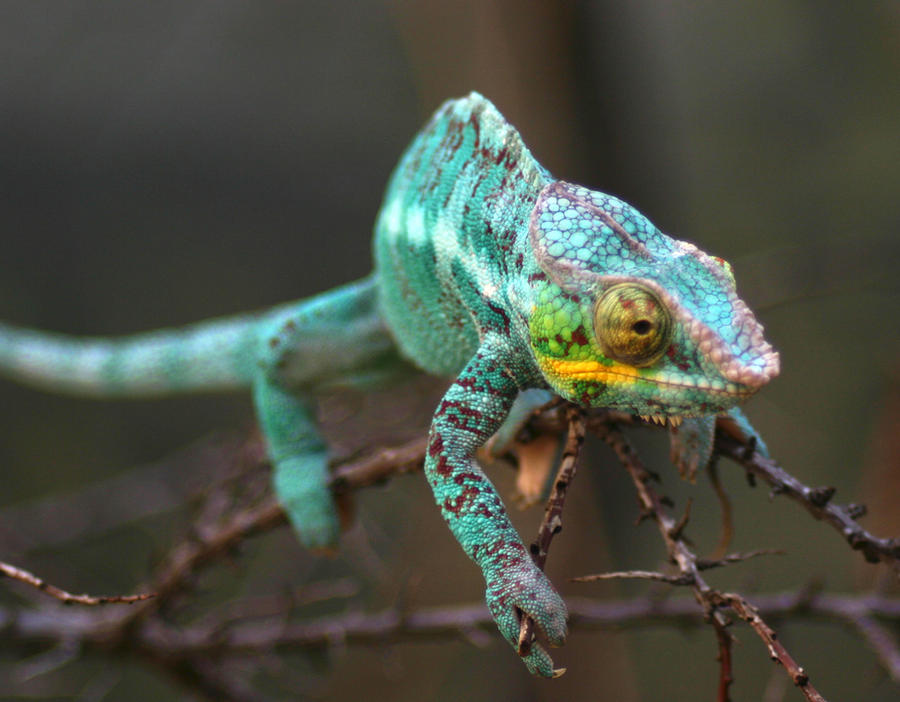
{"x": 335, "y": 339}
{"x": 473, "y": 408}
{"x": 299, "y": 463}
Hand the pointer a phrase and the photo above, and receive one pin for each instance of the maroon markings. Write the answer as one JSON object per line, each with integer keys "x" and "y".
{"x": 436, "y": 446}
{"x": 680, "y": 363}
{"x": 460, "y": 407}
{"x": 579, "y": 337}
{"x": 500, "y": 312}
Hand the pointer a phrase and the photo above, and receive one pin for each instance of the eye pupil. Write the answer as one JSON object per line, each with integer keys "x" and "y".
{"x": 642, "y": 326}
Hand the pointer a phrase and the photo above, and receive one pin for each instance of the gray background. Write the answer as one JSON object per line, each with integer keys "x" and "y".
{"x": 164, "y": 162}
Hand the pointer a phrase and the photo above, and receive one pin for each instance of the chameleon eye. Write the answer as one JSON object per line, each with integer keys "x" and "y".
{"x": 632, "y": 324}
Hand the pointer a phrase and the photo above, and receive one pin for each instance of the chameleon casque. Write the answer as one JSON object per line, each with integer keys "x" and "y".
{"x": 489, "y": 271}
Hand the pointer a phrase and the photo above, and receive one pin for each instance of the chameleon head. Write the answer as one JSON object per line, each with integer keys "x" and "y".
{"x": 626, "y": 317}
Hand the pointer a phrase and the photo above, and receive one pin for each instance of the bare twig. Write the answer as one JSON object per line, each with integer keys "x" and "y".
{"x": 725, "y": 675}
{"x": 709, "y": 599}
{"x": 635, "y": 575}
{"x": 727, "y": 532}
{"x": 707, "y": 564}
{"x": 256, "y": 635}
{"x": 777, "y": 651}
{"x": 552, "y": 521}
{"x": 816, "y": 501}
{"x": 24, "y": 576}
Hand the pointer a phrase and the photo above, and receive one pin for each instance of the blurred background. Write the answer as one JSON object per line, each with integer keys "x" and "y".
{"x": 164, "y": 162}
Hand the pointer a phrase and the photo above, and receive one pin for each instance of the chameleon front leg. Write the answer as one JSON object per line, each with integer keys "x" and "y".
{"x": 473, "y": 408}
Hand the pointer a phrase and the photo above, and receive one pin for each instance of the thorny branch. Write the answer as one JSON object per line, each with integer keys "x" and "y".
{"x": 195, "y": 653}
{"x": 817, "y": 501}
{"x": 552, "y": 521}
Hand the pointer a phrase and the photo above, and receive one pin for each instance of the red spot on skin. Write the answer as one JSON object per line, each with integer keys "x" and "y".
{"x": 469, "y": 383}
{"x": 443, "y": 467}
{"x": 579, "y": 337}
{"x": 460, "y": 408}
{"x": 462, "y": 500}
{"x": 680, "y": 363}
{"x": 500, "y": 312}
{"x": 466, "y": 476}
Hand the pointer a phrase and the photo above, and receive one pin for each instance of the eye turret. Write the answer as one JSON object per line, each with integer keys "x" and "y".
{"x": 632, "y": 324}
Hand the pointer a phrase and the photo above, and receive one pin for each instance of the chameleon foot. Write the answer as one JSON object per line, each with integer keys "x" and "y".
{"x": 308, "y": 504}
{"x": 528, "y": 591}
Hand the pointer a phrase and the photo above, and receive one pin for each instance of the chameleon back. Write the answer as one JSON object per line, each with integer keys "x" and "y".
{"x": 446, "y": 234}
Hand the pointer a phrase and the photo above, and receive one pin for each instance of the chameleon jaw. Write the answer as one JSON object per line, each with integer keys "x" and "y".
{"x": 621, "y": 374}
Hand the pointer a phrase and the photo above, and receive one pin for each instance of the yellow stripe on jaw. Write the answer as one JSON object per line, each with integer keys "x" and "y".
{"x": 588, "y": 370}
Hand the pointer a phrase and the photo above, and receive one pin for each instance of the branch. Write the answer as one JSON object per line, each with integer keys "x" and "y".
{"x": 192, "y": 555}
{"x": 552, "y": 521}
{"x": 238, "y": 634}
{"x": 224, "y": 522}
{"x": 709, "y": 599}
{"x": 817, "y": 501}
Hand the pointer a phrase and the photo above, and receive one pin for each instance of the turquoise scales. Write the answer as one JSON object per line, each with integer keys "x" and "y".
{"x": 489, "y": 271}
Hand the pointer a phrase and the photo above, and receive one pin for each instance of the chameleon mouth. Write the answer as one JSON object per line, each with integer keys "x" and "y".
{"x": 620, "y": 374}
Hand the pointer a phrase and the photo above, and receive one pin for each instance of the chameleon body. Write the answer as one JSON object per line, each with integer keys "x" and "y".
{"x": 488, "y": 271}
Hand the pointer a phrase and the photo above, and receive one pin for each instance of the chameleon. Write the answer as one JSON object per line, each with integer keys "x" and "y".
{"x": 487, "y": 271}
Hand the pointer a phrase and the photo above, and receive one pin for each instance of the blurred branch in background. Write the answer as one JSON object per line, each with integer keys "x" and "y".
{"x": 166, "y": 630}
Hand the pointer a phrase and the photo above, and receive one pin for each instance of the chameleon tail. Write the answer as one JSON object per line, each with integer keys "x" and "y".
{"x": 213, "y": 355}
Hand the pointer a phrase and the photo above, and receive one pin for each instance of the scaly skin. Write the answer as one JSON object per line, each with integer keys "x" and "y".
{"x": 489, "y": 271}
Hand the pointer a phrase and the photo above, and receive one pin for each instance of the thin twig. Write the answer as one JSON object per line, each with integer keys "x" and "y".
{"x": 777, "y": 651}
{"x": 253, "y": 636}
{"x": 24, "y": 576}
{"x": 552, "y": 521}
{"x": 635, "y": 575}
{"x": 815, "y": 500}
{"x": 727, "y": 530}
{"x": 709, "y": 599}
{"x": 726, "y": 676}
